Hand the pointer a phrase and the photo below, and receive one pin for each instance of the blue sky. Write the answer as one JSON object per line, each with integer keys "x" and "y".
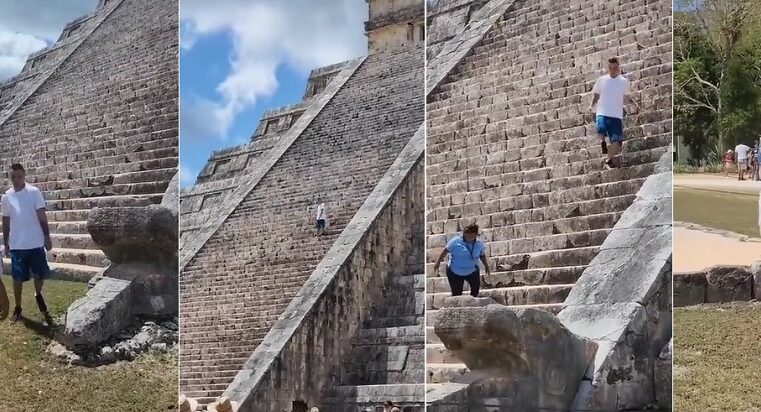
{"x": 240, "y": 58}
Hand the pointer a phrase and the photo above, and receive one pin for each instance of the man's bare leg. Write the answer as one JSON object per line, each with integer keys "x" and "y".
{"x": 17, "y": 289}
{"x": 614, "y": 152}
{"x": 603, "y": 143}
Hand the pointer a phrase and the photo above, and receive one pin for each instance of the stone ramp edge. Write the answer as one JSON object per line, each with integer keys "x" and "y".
{"x": 289, "y": 328}
{"x": 457, "y": 48}
{"x": 192, "y": 247}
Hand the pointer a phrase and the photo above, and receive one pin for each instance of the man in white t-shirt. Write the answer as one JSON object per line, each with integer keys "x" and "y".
{"x": 609, "y": 92}
{"x": 741, "y": 153}
{"x": 321, "y": 219}
{"x": 26, "y": 237}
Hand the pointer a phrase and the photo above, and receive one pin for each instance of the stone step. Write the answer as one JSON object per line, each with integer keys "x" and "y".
{"x": 435, "y": 392}
{"x": 75, "y": 227}
{"x": 438, "y": 353}
{"x": 554, "y": 308}
{"x": 504, "y": 208}
{"x": 526, "y": 277}
{"x": 71, "y": 241}
{"x": 574, "y": 256}
{"x": 394, "y": 321}
{"x": 444, "y": 372}
{"x": 126, "y": 189}
{"x": 85, "y": 257}
{"x": 79, "y": 215}
{"x": 556, "y": 212}
{"x": 390, "y": 336}
{"x": 63, "y": 271}
{"x": 89, "y": 160}
{"x": 363, "y": 398}
{"x": 375, "y": 364}
{"x": 140, "y": 176}
{"x": 512, "y": 296}
{"x": 104, "y": 201}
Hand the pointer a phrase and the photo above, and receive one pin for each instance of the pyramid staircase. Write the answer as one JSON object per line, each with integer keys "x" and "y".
{"x": 387, "y": 361}
{"x": 512, "y": 148}
{"x": 108, "y": 138}
{"x": 339, "y": 157}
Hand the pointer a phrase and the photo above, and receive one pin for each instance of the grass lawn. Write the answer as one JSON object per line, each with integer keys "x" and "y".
{"x": 32, "y": 380}
{"x": 735, "y": 212}
{"x": 717, "y": 353}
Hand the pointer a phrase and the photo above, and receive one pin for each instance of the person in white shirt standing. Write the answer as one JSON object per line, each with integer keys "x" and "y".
{"x": 321, "y": 219}
{"x": 26, "y": 237}
{"x": 741, "y": 152}
{"x": 609, "y": 92}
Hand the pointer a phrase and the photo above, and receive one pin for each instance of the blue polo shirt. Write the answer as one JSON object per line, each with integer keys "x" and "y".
{"x": 464, "y": 256}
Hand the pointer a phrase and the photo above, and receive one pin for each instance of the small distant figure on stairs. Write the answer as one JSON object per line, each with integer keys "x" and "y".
{"x": 464, "y": 253}
{"x": 26, "y": 237}
{"x": 321, "y": 220}
{"x": 609, "y": 92}
{"x": 741, "y": 152}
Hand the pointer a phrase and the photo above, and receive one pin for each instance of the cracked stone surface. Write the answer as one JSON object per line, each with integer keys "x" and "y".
{"x": 525, "y": 355}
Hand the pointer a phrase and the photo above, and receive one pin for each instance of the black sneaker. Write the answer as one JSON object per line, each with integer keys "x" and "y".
{"x": 16, "y": 314}
{"x": 604, "y": 147}
{"x": 609, "y": 165}
{"x": 41, "y": 304}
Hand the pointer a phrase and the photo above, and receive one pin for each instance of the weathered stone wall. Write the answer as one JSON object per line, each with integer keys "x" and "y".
{"x": 101, "y": 127}
{"x": 301, "y": 355}
{"x": 394, "y": 23}
{"x": 256, "y": 262}
{"x": 718, "y": 284}
{"x": 446, "y": 18}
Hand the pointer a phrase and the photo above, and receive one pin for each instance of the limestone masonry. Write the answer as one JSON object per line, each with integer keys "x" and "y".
{"x": 276, "y": 318}
{"x": 511, "y": 146}
{"x": 93, "y": 119}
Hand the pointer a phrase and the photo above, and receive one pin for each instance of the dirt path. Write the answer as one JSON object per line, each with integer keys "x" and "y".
{"x": 697, "y": 250}
{"x": 714, "y": 182}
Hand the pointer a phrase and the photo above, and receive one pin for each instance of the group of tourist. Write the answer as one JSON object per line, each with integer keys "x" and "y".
{"x": 748, "y": 160}
{"x": 26, "y": 238}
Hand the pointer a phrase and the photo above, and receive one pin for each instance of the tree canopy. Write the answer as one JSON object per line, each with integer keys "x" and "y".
{"x": 717, "y": 75}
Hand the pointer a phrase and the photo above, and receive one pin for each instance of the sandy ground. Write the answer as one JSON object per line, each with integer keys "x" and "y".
{"x": 720, "y": 183}
{"x": 697, "y": 250}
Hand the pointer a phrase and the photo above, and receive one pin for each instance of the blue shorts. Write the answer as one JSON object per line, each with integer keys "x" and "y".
{"x": 25, "y": 262}
{"x": 612, "y": 127}
{"x": 320, "y": 224}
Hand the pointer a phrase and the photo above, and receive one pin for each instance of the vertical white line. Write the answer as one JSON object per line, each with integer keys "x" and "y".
{"x": 179, "y": 188}
{"x": 425, "y": 204}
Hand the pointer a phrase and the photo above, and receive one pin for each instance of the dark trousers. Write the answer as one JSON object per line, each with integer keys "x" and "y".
{"x": 456, "y": 282}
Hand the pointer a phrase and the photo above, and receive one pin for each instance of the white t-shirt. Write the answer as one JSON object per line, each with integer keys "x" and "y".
{"x": 741, "y": 151}
{"x": 21, "y": 207}
{"x": 321, "y": 212}
{"x": 612, "y": 91}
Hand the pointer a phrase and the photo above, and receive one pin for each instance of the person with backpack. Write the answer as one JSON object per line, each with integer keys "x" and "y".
{"x": 464, "y": 252}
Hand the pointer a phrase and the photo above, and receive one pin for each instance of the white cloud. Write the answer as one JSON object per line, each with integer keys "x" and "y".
{"x": 303, "y": 34}
{"x": 202, "y": 118}
{"x": 14, "y": 49}
{"x": 29, "y": 25}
